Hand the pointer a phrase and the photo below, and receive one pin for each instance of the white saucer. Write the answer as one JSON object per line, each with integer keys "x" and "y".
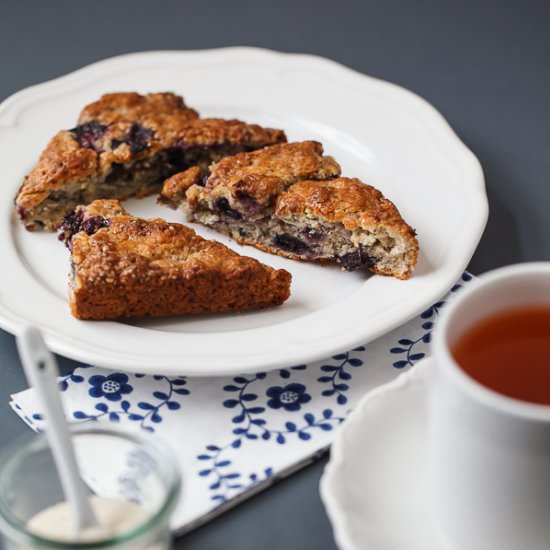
{"x": 375, "y": 486}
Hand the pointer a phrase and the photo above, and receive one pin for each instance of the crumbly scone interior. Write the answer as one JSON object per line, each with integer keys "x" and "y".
{"x": 124, "y": 180}
{"x": 310, "y": 239}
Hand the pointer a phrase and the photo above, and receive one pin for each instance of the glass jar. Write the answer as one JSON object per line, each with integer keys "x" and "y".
{"x": 114, "y": 463}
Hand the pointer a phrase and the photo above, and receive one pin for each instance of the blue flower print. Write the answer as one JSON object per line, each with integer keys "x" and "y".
{"x": 290, "y": 397}
{"x": 111, "y": 387}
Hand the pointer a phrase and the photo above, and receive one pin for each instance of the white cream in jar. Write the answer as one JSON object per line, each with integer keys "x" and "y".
{"x": 115, "y": 517}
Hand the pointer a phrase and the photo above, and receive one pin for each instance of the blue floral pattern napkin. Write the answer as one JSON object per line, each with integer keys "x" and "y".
{"x": 235, "y": 436}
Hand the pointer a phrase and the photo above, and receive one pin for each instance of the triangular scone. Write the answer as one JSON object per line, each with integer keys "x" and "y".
{"x": 287, "y": 199}
{"x": 124, "y": 145}
{"x": 124, "y": 266}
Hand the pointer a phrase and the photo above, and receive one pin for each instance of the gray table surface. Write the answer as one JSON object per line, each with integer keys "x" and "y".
{"x": 484, "y": 64}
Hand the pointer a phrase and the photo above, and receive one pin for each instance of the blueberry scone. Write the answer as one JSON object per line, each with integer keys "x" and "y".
{"x": 124, "y": 145}
{"x": 124, "y": 266}
{"x": 288, "y": 199}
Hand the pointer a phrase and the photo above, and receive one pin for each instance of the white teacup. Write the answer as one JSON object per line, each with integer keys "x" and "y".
{"x": 490, "y": 453}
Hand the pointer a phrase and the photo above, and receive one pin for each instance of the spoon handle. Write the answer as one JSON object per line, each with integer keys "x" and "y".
{"x": 41, "y": 370}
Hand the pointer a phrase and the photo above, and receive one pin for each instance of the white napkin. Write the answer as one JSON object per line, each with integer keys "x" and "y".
{"x": 235, "y": 436}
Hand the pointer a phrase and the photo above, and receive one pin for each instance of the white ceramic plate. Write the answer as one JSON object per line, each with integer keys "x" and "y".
{"x": 379, "y": 132}
{"x": 375, "y": 487}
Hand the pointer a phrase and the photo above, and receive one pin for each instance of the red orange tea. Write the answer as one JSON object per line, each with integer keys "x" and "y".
{"x": 510, "y": 353}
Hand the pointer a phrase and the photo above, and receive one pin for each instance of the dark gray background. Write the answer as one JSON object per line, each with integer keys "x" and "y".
{"x": 484, "y": 64}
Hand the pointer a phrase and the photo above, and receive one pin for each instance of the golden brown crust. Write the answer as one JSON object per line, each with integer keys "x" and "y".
{"x": 175, "y": 187}
{"x": 349, "y": 201}
{"x": 124, "y": 106}
{"x": 137, "y": 267}
{"x": 220, "y": 131}
{"x": 261, "y": 175}
{"x": 123, "y": 129}
{"x": 62, "y": 160}
{"x": 285, "y": 161}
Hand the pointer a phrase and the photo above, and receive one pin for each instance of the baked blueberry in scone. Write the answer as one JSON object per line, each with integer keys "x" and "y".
{"x": 124, "y": 145}
{"x": 287, "y": 199}
{"x": 124, "y": 266}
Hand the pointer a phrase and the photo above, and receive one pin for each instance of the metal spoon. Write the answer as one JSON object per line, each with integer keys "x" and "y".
{"x": 41, "y": 370}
